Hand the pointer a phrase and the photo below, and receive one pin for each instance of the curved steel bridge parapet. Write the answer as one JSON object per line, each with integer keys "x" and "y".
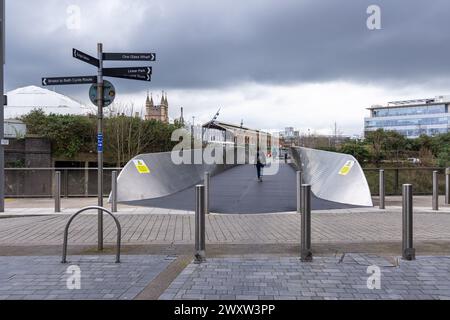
{"x": 163, "y": 178}
{"x": 333, "y": 176}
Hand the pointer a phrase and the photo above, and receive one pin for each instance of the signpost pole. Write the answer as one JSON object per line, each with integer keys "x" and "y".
{"x": 100, "y": 144}
{"x": 132, "y": 73}
{"x": 2, "y": 148}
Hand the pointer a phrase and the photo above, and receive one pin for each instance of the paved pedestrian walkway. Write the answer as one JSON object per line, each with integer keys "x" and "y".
{"x": 342, "y": 277}
{"x": 249, "y": 256}
{"x": 45, "y": 277}
{"x": 259, "y": 278}
{"x": 222, "y": 229}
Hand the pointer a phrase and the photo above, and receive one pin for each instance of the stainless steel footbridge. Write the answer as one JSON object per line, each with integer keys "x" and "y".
{"x": 337, "y": 181}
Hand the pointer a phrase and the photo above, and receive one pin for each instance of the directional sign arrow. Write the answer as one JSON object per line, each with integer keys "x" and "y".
{"x": 114, "y": 72}
{"x": 129, "y": 56}
{"x": 135, "y": 76}
{"x": 57, "y": 81}
{"x": 85, "y": 57}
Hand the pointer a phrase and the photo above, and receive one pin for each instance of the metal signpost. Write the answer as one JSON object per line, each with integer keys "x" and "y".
{"x": 137, "y": 76}
{"x": 85, "y": 58}
{"x": 59, "y": 81}
{"x": 142, "y": 72}
{"x": 102, "y": 94}
{"x": 100, "y": 106}
{"x": 129, "y": 56}
{"x": 3, "y": 103}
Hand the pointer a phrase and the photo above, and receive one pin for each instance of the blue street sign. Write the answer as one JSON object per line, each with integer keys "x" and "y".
{"x": 100, "y": 142}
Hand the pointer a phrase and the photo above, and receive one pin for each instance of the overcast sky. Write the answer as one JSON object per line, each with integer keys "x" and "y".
{"x": 300, "y": 63}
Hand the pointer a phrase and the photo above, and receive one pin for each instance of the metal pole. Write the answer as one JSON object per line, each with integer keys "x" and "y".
{"x": 86, "y": 179}
{"x": 306, "y": 252}
{"x": 100, "y": 149}
{"x": 57, "y": 191}
{"x": 299, "y": 191}
{"x": 2, "y": 99}
{"x": 66, "y": 183}
{"x": 192, "y": 143}
{"x": 435, "y": 204}
{"x": 396, "y": 183}
{"x": 224, "y": 153}
{"x": 114, "y": 191}
{"x": 382, "y": 190}
{"x": 408, "y": 251}
{"x": 199, "y": 223}
{"x": 235, "y": 151}
{"x": 206, "y": 182}
{"x": 447, "y": 186}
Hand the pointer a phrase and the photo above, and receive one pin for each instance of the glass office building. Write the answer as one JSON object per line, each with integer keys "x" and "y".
{"x": 411, "y": 118}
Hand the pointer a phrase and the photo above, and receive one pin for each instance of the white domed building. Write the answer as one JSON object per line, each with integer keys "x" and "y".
{"x": 23, "y": 100}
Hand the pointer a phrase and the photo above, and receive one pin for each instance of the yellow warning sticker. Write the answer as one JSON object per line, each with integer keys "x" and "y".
{"x": 141, "y": 166}
{"x": 346, "y": 168}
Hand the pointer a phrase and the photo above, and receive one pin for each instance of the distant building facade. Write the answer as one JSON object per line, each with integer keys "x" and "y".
{"x": 290, "y": 137}
{"x": 411, "y": 118}
{"x": 158, "y": 112}
{"x": 14, "y": 129}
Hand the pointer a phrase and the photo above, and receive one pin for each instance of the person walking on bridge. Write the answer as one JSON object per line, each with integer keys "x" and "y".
{"x": 260, "y": 163}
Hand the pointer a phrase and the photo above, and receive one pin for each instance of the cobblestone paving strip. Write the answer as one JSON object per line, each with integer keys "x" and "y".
{"x": 161, "y": 282}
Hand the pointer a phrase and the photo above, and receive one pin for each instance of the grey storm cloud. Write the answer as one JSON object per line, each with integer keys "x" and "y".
{"x": 215, "y": 44}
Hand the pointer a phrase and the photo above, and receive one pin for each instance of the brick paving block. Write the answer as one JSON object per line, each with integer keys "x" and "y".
{"x": 397, "y": 283}
{"x": 45, "y": 277}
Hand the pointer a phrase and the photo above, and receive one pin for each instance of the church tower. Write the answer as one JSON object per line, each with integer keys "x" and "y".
{"x": 157, "y": 112}
{"x": 165, "y": 111}
{"x": 148, "y": 106}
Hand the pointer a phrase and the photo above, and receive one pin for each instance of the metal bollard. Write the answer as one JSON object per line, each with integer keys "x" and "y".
{"x": 447, "y": 186}
{"x": 114, "y": 191}
{"x": 299, "y": 191}
{"x": 206, "y": 182}
{"x": 382, "y": 190}
{"x": 305, "y": 236}
{"x": 66, "y": 183}
{"x": 435, "y": 200}
{"x": 199, "y": 223}
{"x": 408, "y": 251}
{"x": 57, "y": 192}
